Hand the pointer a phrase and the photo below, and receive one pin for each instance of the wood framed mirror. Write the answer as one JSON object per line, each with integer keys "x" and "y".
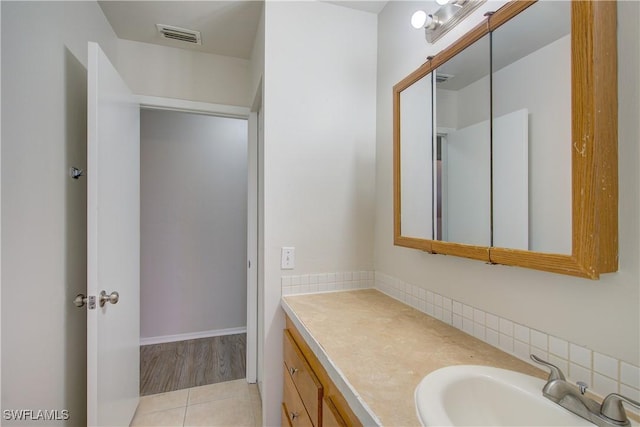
{"x": 555, "y": 208}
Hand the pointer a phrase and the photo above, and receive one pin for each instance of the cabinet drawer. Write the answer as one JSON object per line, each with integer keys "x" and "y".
{"x": 295, "y": 410}
{"x": 330, "y": 415}
{"x": 285, "y": 421}
{"x": 305, "y": 380}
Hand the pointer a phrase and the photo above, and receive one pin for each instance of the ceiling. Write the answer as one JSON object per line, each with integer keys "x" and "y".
{"x": 227, "y": 27}
{"x": 518, "y": 38}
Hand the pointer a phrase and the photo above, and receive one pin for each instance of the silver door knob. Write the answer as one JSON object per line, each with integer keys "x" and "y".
{"x": 80, "y": 300}
{"x": 113, "y": 298}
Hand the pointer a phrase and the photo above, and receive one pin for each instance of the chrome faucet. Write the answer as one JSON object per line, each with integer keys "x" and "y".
{"x": 559, "y": 390}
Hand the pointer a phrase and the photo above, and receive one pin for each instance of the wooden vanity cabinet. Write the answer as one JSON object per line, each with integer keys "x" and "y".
{"x": 308, "y": 386}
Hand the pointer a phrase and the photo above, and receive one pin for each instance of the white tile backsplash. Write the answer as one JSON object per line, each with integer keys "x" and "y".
{"x": 521, "y": 349}
{"x": 430, "y": 309}
{"x": 604, "y": 385}
{"x": 327, "y": 282}
{"x": 479, "y": 316}
{"x": 493, "y": 337}
{"x": 539, "y": 340}
{"x": 579, "y": 373}
{"x": 521, "y": 333}
{"x": 493, "y": 322}
{"x": 457, "y": 307}
{"x": 467, "y": 311}
{"x": 605, "y": 365}
{"x": 540, "y": 353}
{"x": 562, "y": 364}
{"x": 467, "y": 325}
{"x": 631, "y": 392}
{"x": 630, "y": 375}
{"x": 604, "y": 374}
{"x": 506, "y": 327}
{"x": 580, "y": 355}
{"x": 447, "y": 317}
{"x": 479, "y": 331}
{"x": 457, "y": 321}
{"x": 559, "y": 347}
{"x": 506, "y": 343}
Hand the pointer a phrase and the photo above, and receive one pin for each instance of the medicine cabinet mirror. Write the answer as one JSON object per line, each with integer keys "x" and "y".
{"x": 505, "y": 143}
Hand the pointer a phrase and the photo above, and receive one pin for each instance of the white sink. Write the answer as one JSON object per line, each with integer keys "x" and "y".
{"x": 485, "y": 396}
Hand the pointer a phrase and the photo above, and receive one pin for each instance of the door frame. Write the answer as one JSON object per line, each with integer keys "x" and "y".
{"x": 231, "y": 111}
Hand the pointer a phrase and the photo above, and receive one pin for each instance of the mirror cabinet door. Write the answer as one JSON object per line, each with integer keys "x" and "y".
{"x": 416, "y": 158}
{"x": 463, "y": 146}
{"x": 531, "y": 150}
{"x": 502, "y": 142}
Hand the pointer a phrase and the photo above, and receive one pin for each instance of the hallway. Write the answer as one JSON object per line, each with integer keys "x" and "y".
{"x": 183, "y": 364}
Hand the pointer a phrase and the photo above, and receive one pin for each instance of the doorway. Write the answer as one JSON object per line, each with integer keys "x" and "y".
{"x": 194, "y": 270}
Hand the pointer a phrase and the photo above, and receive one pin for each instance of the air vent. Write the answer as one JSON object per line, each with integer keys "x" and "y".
{"x": 441, "y": 78}
{"x": 180, "y": 34}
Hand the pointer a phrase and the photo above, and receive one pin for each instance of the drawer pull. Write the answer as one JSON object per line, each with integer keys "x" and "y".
{"x": 294, "y": 415}
{"x": 293, "y": 370}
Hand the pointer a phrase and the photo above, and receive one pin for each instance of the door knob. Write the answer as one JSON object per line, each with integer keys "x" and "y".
{"x": 113, "y": 298}
{"x": 80, "y": 300}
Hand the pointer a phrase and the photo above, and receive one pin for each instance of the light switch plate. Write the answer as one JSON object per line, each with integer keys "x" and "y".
{"x": 288, "y": 260}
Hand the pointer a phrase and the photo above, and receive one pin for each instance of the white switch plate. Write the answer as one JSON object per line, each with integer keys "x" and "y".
{"x": 288, "y": 260}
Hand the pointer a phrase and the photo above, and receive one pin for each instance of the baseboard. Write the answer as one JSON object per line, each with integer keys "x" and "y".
{"x": 192, "y": 335}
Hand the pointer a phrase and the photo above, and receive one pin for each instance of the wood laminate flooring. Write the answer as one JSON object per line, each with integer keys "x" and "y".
{"x": 184, "y": 364}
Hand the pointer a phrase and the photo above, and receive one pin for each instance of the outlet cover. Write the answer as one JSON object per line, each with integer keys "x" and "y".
{"x": 288, "y": 260}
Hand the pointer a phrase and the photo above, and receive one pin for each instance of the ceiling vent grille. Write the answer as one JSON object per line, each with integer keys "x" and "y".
{"x": 441, "y": 77}
{"x": 180, "y": 34}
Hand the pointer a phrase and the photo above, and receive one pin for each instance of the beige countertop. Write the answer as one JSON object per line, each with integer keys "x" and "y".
{"x": 376, "y": 350}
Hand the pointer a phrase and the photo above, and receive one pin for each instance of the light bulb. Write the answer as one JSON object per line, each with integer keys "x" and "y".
{"x": 442, "y": 2}
{"x": 430, "y": 23}
{"x": 418, "y": 19}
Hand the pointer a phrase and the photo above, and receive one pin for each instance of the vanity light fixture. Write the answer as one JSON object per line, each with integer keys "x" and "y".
{"x": 450, "y": 13}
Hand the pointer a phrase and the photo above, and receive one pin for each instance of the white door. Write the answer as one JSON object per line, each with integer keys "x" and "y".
{"x": 113, "y": 237}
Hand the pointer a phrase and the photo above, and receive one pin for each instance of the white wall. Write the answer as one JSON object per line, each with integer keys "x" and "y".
{"x": 319, "y": 147}
{"x": 600, "y": 315}
{"x": 43, "y": 210}
{"x": 184, "y": 74}
{"x": 193, "y": 179}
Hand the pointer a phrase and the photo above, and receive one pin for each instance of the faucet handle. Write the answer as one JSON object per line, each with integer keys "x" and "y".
{"x": 612, "y": 408}
{"x": 555, "y": 374}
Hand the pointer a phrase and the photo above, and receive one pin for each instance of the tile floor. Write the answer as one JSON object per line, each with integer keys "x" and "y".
{"x": 227, "y": 404}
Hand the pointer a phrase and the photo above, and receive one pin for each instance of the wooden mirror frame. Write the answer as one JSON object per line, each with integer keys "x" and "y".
{"x": 594, "y": 140}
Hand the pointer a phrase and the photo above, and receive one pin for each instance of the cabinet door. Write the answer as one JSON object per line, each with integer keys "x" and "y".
{"x": 330, "y": 415}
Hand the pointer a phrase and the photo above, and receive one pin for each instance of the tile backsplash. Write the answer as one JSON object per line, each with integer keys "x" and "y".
{"x": 603, "y": 373}
{"x": 327, "y": 282}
